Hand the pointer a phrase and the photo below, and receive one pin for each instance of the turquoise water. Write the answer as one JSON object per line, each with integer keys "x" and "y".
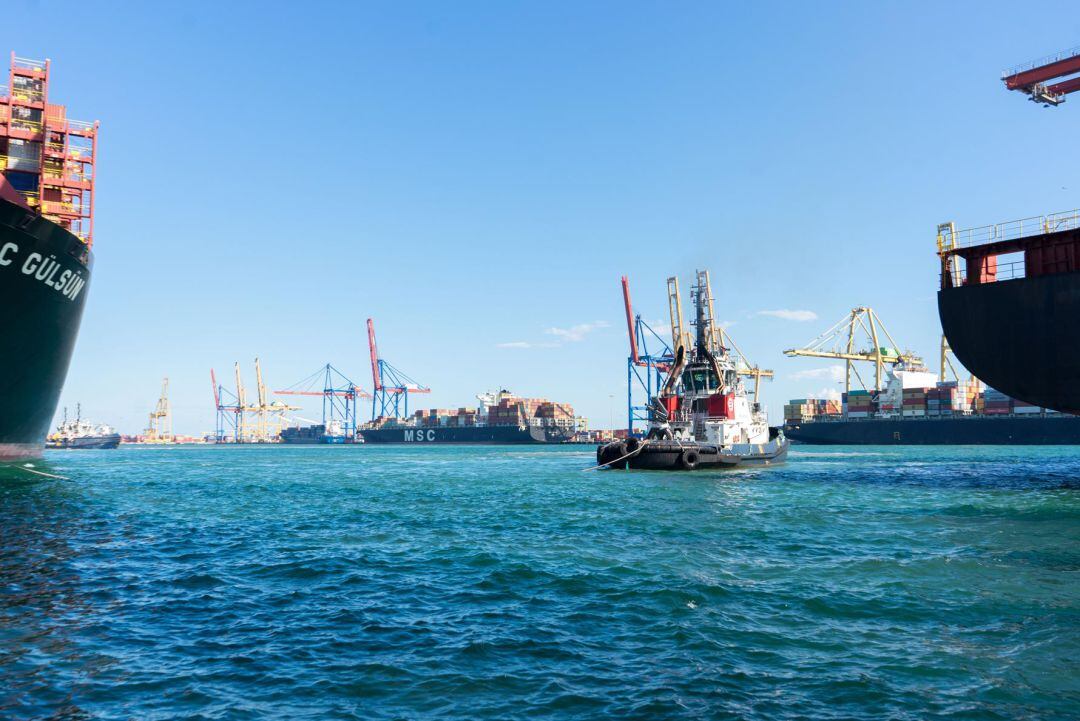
{"x": 370, "y": 583}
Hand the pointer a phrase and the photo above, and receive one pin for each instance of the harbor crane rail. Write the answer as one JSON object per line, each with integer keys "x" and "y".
{"x": 842, "y": 342}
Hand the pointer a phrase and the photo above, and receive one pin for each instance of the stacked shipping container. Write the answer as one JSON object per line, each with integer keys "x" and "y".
{"x": 949, "y": 398}
{"x": 858, "y": 404}
{"x": 801, "y": 409}
{"x": 509, "y": 411}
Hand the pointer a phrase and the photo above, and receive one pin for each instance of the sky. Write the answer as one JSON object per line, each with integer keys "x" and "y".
{"x": 476, "y": 176}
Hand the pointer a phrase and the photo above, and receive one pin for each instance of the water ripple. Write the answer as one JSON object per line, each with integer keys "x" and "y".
{"x": 371, "y": 583}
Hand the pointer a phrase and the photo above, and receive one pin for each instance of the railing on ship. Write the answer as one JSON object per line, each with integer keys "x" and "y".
{"x": 29, "y": 64}
{"x": 1005, "y": 271}
{"x": 1011, "y": 230}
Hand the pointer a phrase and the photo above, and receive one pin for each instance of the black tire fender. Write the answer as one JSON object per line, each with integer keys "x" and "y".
{"x": 688, "y": 459}
{"x": 633, "y": 444}
{"x": 615, "y": 459}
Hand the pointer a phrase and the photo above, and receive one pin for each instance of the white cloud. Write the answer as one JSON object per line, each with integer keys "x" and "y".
{"x": 834, "y": 373}
{"x": 784, "y": 314}
{"x": 563, "y": 335}
{"x": 828, "y": 393}
{"x": 660, "y": 327}
{"x": 576, "y": 333}
{"x": 520, "y": 344}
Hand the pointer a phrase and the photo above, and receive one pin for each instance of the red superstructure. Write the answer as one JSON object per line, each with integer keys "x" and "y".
{"x": 1032, "y": 77}
{"x": 45, "y": 156}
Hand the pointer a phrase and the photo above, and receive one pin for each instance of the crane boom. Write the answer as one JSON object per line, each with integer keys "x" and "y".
{"x": 259, "y": 386}
{"x": 356, "y": 392}
{"x": 214, "y": 386}
{"x": 1031, "y": 78}
{"x": 376, "y": 377}
{"x": 839, "y": 343}
{"x": 630, "y": 319}
{"x": 679, "y": 335}
{"x": 239, "y": 386}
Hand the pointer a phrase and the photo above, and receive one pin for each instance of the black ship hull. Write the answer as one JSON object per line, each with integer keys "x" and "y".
{"x": 669, "y": 455}
{"x": 1032, "y": 430}
{"x": 44, "y": 271}
{"x": 1021, "y": 337}
{"x": 486, "y": 435}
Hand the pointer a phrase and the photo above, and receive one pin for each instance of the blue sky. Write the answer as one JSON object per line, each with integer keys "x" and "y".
{"x": 477, "y": 176}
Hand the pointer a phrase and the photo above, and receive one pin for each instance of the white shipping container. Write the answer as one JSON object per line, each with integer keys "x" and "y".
{"x": 908, "y": 414}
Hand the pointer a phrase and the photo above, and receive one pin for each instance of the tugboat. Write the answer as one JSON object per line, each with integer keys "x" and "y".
{"x": 80, "y": 434}
{"x": 702, "y": 417}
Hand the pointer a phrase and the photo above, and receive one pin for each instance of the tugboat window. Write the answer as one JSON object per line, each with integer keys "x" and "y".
{"x": 700, "y": 380}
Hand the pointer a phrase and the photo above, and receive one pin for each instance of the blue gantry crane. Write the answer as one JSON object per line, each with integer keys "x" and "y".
{"x": 647, "y": 365}
{"x": 340, "y": 397}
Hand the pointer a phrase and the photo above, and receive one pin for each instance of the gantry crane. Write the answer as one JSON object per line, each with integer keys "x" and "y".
{"x": 269, "y": 415}
{"x": 159, "y": 429}
{"x": 1031, "y": 78}
{"x": 392, "y": 387}
{"x": 259, "y": 422}
{"x": 228, "y": 414}
{"x": 340, "y": 397}
{"x": 718, "y": 341}
{"x": 645, "y": 369}
{"x": 839, "y": 342}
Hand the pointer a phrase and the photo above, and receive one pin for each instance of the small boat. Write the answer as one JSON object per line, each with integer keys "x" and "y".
{"x": 81, "y": 434}
{"x": 702, "y": 417}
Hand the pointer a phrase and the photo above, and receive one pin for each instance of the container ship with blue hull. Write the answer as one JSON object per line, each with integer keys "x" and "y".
{"x": 967, "y": 430}
{"x": 46, "y": 236}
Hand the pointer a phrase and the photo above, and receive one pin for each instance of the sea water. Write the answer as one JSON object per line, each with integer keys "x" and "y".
{"x": 507, "y": 582}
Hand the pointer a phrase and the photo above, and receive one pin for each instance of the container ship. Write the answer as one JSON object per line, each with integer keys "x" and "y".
{"x": 46, "y": 237}
{"x": 333, "y": 432}
{"x": 501, "y": 418}
{"x": 1010, "y": 305}
{"x": 916, "y": 409}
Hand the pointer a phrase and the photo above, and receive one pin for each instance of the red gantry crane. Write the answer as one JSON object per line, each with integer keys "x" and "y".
{"x": 392, "y": 387}
{"x": 1031, "y": 78}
